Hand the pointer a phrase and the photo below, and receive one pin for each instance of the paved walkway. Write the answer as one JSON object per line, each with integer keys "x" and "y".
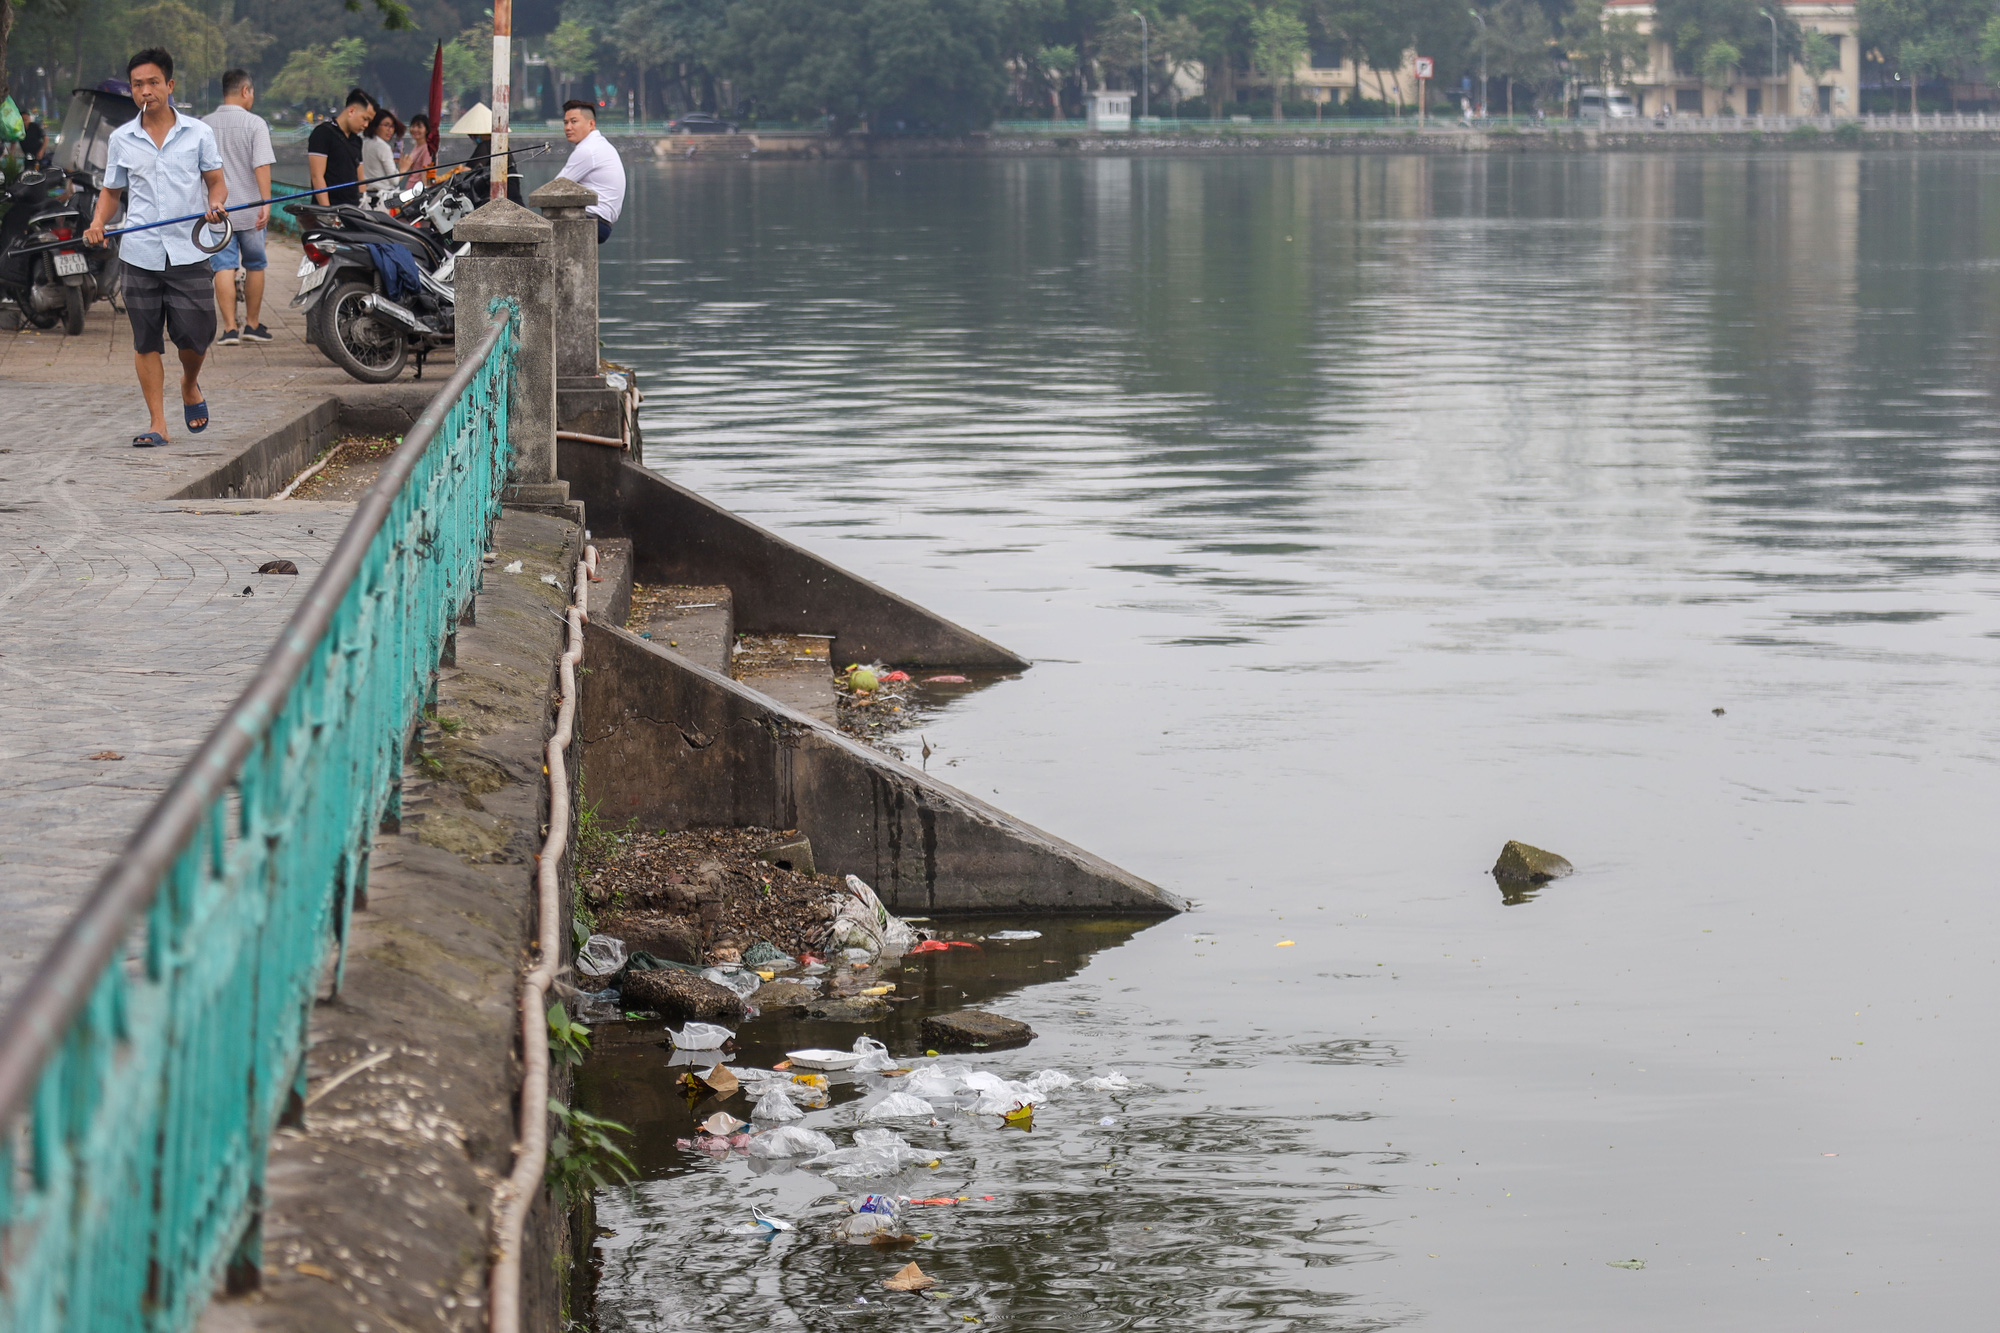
{"x": 128, "y": 623}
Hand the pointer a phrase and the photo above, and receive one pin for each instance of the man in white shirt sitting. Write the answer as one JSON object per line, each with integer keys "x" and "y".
{"x": 594, "y": 164}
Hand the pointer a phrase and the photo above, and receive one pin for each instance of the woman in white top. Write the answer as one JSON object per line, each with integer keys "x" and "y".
{"x": 378, "y": 157}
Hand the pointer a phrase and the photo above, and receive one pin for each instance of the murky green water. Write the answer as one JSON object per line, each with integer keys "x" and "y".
{"x": 1365, "y": 513}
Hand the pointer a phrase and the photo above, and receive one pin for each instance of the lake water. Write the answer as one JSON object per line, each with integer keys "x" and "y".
{"x": 1362, "y": 514}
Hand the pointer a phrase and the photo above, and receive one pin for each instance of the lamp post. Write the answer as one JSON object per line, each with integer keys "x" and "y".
{"x": 1477, "y": 18}
{"x": 1145, "y": 64}
{"x": 503, "y": 93}
{"x": 1772, "y": 20}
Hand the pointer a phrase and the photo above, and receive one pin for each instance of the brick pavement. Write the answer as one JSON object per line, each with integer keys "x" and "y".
{"x": 125, "y": 624}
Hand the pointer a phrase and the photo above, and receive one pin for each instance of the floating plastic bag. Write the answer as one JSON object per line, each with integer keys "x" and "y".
{"x": 874, "y": 1055}
{"x": 1051, "y": 1080}
{"x": 876, "y": 1154}
{"x": 700, "y": 1037}
{"x": 896, "y": 1106}
{"x": 790, "y": 1141}
{"x": 740, "y": 980}
{"x": 1111, "y": 1082}
{"x": 864, "y": 923}
{"x": 775, "y": 1108}
{"x": 933, "y": 1083}
{"x": 1015, "y": 935}
{"x": 601, "y": 956}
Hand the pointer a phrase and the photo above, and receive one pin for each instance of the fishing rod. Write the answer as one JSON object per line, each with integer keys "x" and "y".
{"x": 198, "y": 219}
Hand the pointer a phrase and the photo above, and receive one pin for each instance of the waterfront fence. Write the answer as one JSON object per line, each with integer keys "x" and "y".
{"x": 146, "y": 1063}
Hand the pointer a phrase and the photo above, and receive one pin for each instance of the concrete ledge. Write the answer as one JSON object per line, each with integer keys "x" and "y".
{"x": 379, "y": 1205}
{"x": 263, "y": 468}
{"x": 677, "y": 746}
{"x": 680, "y": 537}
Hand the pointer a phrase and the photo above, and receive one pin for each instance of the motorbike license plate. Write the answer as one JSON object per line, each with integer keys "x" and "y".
{"x": 310, "y": 276}
{"x": 68, "y": 266}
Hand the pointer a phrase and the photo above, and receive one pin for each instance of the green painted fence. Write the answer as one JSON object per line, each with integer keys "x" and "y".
{"x": 145, "y": 1065}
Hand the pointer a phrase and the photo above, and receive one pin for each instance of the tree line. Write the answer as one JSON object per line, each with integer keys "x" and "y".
{"x": 948, "y": 65}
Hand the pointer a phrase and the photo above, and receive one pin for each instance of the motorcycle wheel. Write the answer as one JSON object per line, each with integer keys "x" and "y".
{"x": 72, "y": 316}
{"x": 371, "y": 350}
{"x": 36, "y": 319}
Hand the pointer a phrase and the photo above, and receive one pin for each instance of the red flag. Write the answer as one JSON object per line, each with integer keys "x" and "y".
{"x": 437, "y": 101}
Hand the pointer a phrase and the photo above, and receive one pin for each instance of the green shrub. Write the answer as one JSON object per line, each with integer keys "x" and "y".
{"x": 1803, "y": 134}
{"x": 1848, "y": 132}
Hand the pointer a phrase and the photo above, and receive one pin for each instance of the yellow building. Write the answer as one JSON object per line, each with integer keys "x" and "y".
{"x": 1794, "y": 92}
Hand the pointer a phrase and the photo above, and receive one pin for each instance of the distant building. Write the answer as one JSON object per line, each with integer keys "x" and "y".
{"x": 1837, "y": 92}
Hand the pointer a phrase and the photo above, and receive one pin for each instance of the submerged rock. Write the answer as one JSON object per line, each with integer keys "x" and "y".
{"x": 775, "y": 996}
{"x": 681, "y": 996}
{"x": 974, "y": 1027}
{"x": 1521, "y": 864}
{"x": 853, "y": 1009}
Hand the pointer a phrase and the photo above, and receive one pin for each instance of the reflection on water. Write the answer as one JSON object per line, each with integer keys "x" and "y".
{"x": 1364, "y": 513}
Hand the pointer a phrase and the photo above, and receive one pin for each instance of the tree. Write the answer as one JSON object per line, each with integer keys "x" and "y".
{"x": 644, "y": 42}
{"x": 573, "y": 48}
{"x": 1177, "y": 49}
{"x": 931, "y": 64}
{"x": 198, "y": 42}
{"x": 1520, "y": 46}
{"x": 1608, "y": 48}
{"x": 319, "y": 75}
{"x": 1717, "y": 66}
{"x": 1225, "y": 44}
{"x": 1923, "y": 37}
{"x": 1277, "y": 44}
{"x": 468, "y": 65}
{"x": 1059, "y": 65}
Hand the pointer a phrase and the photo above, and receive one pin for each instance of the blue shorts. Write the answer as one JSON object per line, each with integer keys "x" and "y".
{"x": 250, "y": 244}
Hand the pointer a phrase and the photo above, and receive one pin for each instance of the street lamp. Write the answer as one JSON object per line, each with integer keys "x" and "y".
{"x": 1145, "y": 65}
{"x": 1772, "y": 19}
{"x": 1482, "y": 63}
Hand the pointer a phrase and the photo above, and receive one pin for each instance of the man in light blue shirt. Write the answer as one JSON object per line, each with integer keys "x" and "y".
{"x": 169, "y": 167}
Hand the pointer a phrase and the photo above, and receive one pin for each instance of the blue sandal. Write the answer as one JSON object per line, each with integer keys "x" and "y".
{"x": 191, "y": 412}
{"x": 152, "y": 439}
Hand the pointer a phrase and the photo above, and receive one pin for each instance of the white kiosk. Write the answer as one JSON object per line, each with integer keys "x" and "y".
{"x": 1110, "y": 111}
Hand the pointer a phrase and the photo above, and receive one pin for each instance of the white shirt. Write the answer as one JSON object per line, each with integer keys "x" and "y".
{"x": 160, "y": 183}
{"x": 245, "y": 143}
{"x": 594, "y": 165}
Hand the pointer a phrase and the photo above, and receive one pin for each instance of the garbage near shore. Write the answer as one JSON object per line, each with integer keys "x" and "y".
{"x": 697, "y": 925}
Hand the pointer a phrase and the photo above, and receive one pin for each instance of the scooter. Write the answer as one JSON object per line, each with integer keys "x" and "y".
{"x": 56, "y": 284}
{"x": 367, "y": 320}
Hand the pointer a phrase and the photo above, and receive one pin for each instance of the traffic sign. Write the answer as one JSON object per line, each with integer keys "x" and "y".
{"x": 1424, "y": 67}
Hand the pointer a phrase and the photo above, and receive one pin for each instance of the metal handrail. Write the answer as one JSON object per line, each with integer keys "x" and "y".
{"x": 84, "y": 967}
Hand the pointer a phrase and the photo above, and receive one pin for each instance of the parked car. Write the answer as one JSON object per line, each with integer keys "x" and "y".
{"x": 700, "y": 122}
{"x": 1602, "y": 104}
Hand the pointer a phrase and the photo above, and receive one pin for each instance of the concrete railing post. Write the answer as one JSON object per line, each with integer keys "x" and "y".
{"x": 585, "y": 400}
{"x": 512, "y": 256}
{"x": 563, "y": 202}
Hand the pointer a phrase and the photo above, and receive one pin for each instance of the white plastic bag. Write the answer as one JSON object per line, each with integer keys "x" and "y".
{"x": 775, "y": 1108}
{"x": 874, "y": 1055}
{"x": 700, "y": 1037}
{"x": 876, "y": 1154}
{"x": 1111, "y": 1082}
{"x": 790, "y": 1141}
{"x": 742, "y": 981}
{"x": 600, "y": 956}
{"x": 932, "y": 1083}
{"x": 864, "y": 923}
{"x": 1051, "y": 1080}
{"x": 896, "y": 1106}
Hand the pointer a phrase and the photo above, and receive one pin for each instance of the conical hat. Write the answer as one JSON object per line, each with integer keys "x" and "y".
{"x": 479, "y": 120}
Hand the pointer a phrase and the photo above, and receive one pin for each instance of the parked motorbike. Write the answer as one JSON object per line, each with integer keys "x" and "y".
{"x": 56, "y": 285}
{"x": 370, "y": 316}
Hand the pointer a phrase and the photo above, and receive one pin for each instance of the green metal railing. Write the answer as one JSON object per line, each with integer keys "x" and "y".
{"x": 145, "y": 1065}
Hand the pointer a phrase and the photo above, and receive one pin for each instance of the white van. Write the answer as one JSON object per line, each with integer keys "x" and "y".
{"x": 1602, "y": 104}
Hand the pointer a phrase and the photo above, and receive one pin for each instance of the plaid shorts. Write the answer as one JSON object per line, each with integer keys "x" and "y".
{"x": 179, "y": 299}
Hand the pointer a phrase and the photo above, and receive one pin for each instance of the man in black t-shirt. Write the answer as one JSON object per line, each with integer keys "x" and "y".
{"x": 333, "y": 152}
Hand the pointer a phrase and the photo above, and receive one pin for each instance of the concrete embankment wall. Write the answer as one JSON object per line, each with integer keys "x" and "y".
{"x": 1305, "y": 140}
{"x": 680, "y": 537}
{"x": 677, "y": 746}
